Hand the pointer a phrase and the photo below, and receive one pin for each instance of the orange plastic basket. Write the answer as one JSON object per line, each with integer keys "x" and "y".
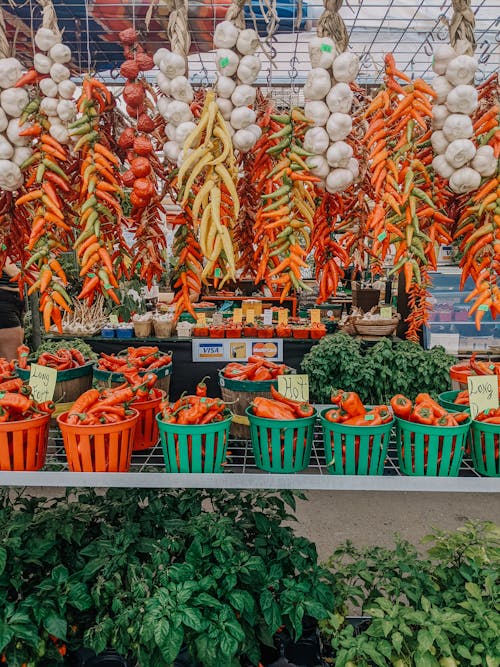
{"x": 146, "y": 431}
{"x": 103, "y": 448}
{"x": 23, "y": 444}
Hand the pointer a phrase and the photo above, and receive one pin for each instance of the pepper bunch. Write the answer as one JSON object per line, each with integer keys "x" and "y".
{"x": 7, "y": 368}
{"x": 100, "y": 246}
{"x": 491, "y": 416}
{"x": 109, "y": 406}
{"x": 195, "y": 410}
{"x": 187, "y": 273}
{"x": 62, "y": 359}
{"x": 17, "y": 402}
{"x": 425, "y": 410}
{"x": 139, "y": 359}
{"x": 257, "y": 369}
{"x": 280, "y": 407}
{"x": 350, "y": 411}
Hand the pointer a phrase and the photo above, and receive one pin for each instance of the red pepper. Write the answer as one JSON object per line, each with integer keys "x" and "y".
{"x": 426, "y": 399}
{"x": 22, "y": 356}
{"x": 446, "y": 420}
{"x": 371, "y": 418}
{"x": 401, "y": 406}
{"x": 384, "y": 413}
{"x": 423, "y": 414}
{"x": 270, "y": 409}
{"x": 201, "y": 387}
{"x": 301, "y": 408}
{"x": 334, "y": 416}
{"x": 262, "y": 375}
{"x": 351, "y": 403}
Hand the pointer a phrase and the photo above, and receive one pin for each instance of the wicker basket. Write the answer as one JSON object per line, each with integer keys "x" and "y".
{"x": 375, "y": 327}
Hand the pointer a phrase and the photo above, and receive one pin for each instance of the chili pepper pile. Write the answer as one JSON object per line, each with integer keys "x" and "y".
{"x": 425, "y": 410}
{"x": 407, "y": 202}
{"x": 108, "y": 406}
{"x": 145, "y": 172}
{"x": 62, "y": 360}
{"x": 283, "y": 224}
{"x": 257, "y": 369}
{"x": 100, "y": 246}
{"x": 141, "y": 359}
{"x": 350, "y": 411}
{"x": 491, "y": 416}
{"x": 17, "y": 402}
{"x": 478, "y": 228}
{"x": 194, "y": 410}
{"x": 280, "y": 407}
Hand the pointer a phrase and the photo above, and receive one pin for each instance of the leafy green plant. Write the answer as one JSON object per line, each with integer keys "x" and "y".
{"x": 439, "y": 610}
{"x": 376, "y": 373}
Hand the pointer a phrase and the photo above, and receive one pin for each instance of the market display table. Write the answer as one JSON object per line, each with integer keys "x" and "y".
{"x": 186, "y": 373}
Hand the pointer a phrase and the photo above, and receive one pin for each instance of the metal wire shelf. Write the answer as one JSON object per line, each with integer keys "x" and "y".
{"x": 147, "y": 470}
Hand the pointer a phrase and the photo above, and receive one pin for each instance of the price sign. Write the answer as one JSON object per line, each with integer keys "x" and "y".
{"x": 268, "y": 316}
{"x": 386, "y": 312}
{"x": 283, "y": 316}
{"x": 250, "y": 317}
{"x": 295, "y": 387}
{"x": 315, "y": 315}
{"x": 237, "y": 315}
{"x": 201, "y": 319}
{"x": 113, "y": 319}
{"x": 42, "y": 382}
{"x": 483, "y": 393}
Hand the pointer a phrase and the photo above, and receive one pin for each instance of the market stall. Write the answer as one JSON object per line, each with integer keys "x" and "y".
{"x": 188, "y": 218}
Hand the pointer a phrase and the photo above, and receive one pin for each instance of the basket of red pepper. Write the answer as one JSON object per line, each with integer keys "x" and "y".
{"x": 111, "y": 368}
{"x": 241, "y": 383}
{"x": 24, "y": 427}
{"x": 430, "y": 440}
{"x": 98, "y": 431}
{"x": 147, "y": 400}
{"x": 485, "y": 448}
{"x": 281, "y": 431}
{"x": 194, "y": 433}
{"x": 356, "y": 438}
{"x": 74, "y": 371}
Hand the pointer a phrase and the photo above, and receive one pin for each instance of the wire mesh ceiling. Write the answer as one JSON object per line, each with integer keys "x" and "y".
{"x": 408, "y": 28}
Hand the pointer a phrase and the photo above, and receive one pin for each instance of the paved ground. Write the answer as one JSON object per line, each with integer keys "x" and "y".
{"x": 330, "y": 517}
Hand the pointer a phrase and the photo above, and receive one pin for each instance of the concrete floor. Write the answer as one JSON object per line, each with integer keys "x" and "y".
{"x": 329, "y": 518}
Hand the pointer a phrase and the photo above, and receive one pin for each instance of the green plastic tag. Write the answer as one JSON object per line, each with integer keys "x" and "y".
{"x": 24, "y": 354}
{"x": 369, "y": 418}
{"x": 4, "y": 247}
{"x": 217, "y": 273}
{"x": 326, "y": 48}
{"x": 2, "y": 394}
{"x": 483, "y": 307}
{"x": 224, "y": 62}
{"x": 382, "y": 236}
{"x": 91, "y": 275}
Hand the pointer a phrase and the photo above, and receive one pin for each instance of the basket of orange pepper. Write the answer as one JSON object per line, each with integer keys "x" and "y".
{"x": 99, "y": 430}
{"x": 241, "y": 383}
{"x": 194, "y": 433}
{"x": 281, "y": 431}
{"x": 430, "y": 440}
{"x": 355, "y": 437}
{"x": 485, "y": 432}
{"x": 24, "y": 427}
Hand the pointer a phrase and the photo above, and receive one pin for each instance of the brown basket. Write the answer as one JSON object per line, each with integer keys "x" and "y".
{"x": 142, "y": 329}
{"x": 163, "y": 328}
{"x": 365, "y": 298}
{"x": 240, "y": 401}
{"x": 375, "y": 328}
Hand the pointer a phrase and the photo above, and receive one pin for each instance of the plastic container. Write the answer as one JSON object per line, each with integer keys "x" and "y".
{"x": 283, "y": 331}
{"x": 70, "y": 384}
{"x": 23, "y": 444}
{"x": 103, "y": 448}
{"x": 143, "y": 329}
{"x": 281, "y": 446}
{"x": 351, "y": 450}
{"x": 163, "y": 328}
{"x": 233, "y": 332}
{"x": 217, "y": 332}
{"x": 318, "y": 332}
{"x": 301, "y": 332}
{"x": 265, "y": 332}
{"x": 146, "y": 430}
{"x": 108, "y": 332}
{"x": 446, "y": 400}
{"x": 125, "y": 331}
{"x": 105, "y": 379}
{"x": 200, "y": 332}
{"x": 485, "y": 448}
{"x": 250, "y": 331}
{"x": 194, "y": 448}
{"x": 458, "y": 375}
{"x": 430, "y": 450}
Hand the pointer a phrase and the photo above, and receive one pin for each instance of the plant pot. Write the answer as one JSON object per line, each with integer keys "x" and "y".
{"x": 283, "y": 332}
{"x": 201, "y": 332}
{"x": 217, "y": 332}
{"x": 301, "y": 333}
{"x": 265, "y": 332}
{"x": 250, "y": 332}
{"x": 233, "y": 332}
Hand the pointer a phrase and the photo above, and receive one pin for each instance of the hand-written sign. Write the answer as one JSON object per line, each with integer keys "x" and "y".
{"x": 295, "y": 387}
{"x": 42, "y": 382}
{"x": 315, "y": 315}
{"x": 483, "y": 393}
{"x": 283, "y": 316}
{"x": 268, "y": 317}
{"x": 386, "y": 312}
{"x": 250, "y": 316}
{"x": 237, "y": 315}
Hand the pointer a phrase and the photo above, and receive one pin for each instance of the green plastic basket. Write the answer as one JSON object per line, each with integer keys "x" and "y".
{"x": 62, "y": 376}
{"x": 430, "y": 450}
{"x": 485, "y": 448}
{"x": 446, "y": 401}
{"x": 281, "y": 446}
{"x": 352, "y": 450}
{"x": 190, "y": 448}
{"x": 248, "y": 385}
